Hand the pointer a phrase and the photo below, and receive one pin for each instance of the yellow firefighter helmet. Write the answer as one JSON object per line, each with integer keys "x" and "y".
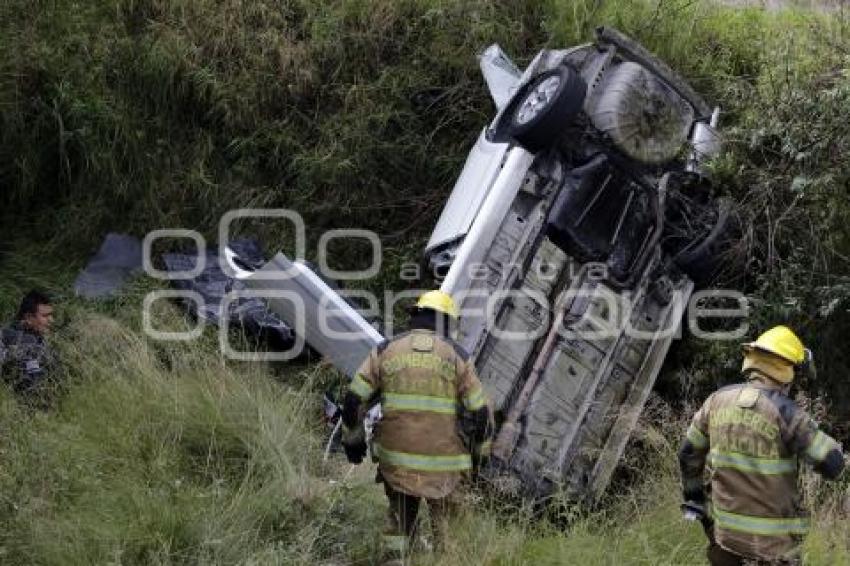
{"x": 438, "y": 301}
{"x": 780, "y": 341}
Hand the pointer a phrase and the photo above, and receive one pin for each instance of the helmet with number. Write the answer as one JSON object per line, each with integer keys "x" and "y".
{"x": 780, "y": 341}
{"x": 438, "y": 301}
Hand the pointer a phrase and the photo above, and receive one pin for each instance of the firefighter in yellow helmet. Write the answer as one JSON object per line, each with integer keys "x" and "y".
{"x": 752, "y": 437}
{"x": 426, "y": 386}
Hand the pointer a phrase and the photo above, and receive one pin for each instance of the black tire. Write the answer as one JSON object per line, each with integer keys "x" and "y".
{"x": 706, "y": 259}
{"x": 538, "y": 128}
{"x": 642, "y": 116}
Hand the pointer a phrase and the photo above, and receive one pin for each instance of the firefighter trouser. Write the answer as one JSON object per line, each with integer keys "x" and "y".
{"x": 719, "y": 556}
{"x": 401, "y": 519}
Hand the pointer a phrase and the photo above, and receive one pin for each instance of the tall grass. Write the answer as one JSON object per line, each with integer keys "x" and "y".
{"x": 160, "y": 456}
{"x": 140, "y": 114}
{"x": 638, "y": 523}
{"x": 164, "y": 457}
{"x": 170, "y": 113}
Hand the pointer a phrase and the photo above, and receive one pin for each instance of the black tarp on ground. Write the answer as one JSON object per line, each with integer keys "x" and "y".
{"x": 118, "y": 259}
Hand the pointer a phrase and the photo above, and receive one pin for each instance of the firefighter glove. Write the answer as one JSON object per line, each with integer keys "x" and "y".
{"x": 354, "y": 443}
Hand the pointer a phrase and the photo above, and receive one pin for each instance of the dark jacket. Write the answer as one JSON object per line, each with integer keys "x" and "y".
{"x": 26, "y": 359}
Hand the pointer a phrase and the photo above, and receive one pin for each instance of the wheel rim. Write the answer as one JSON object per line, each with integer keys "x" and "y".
{"x": 538, "y": 99}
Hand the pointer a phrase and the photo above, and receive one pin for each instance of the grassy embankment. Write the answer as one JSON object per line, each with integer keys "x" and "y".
{"x": 144, "y": 114}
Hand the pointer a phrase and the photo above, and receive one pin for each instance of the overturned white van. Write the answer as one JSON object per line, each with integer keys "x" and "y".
{"x": 572, "y": 242}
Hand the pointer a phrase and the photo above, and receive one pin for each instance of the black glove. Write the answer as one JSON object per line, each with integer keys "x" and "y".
{"x": 354, "y": 443}
{"x": 697, "y": 495}
{"x": 693, "y": 490}
{"x": 355, "y": 452}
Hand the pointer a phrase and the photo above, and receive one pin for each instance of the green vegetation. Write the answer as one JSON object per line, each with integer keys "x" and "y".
{"x": 132, "y": 115}
{"x": 162, "y": 455}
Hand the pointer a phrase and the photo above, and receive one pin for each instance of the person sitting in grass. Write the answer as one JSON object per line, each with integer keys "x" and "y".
{"x": 27, "y": 360}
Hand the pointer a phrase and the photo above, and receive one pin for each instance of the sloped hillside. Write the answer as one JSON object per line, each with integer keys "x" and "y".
{"x": 134, "y": 115}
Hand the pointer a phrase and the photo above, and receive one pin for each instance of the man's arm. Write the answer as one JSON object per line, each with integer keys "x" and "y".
{"x": 692, "y": 456}
{"x": 818, "y": 448}
{"x": 362, "y": 388}
{"x": 477, "y": 418}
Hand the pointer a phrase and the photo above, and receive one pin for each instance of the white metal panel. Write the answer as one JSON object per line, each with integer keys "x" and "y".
{"x": 330, "y": 325}
{"x": 480, "y": 171}
{"x": 502, "y": 76}
{"x": 487, "y": 223}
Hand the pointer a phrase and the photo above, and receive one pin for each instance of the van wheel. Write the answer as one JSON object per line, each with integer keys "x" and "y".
{"x": 705, "y": 238}
{"x": 541, "y": 112}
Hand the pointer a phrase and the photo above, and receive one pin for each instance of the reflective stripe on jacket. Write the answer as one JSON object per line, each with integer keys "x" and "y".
{"x": 751, "y": 437}
{"x": 422, "y": 381}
